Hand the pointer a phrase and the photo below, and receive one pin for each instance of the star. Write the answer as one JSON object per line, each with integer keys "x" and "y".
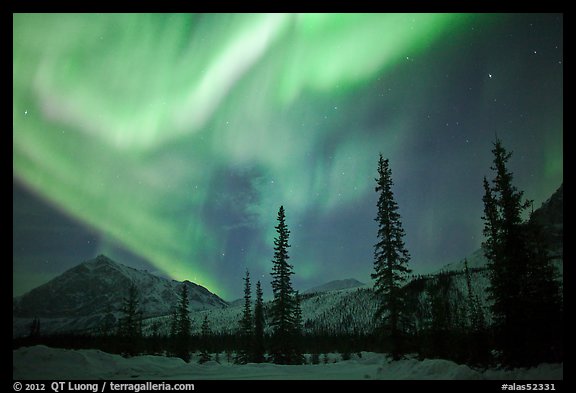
{"x": 26, "y": 112}
{"x": 490, "y": 76}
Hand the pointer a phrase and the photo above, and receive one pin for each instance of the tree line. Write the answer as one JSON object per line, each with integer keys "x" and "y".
{"x": 522, "y": 326}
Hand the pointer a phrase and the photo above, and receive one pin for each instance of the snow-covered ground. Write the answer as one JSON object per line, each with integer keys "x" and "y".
{"x": 41, "y": 362}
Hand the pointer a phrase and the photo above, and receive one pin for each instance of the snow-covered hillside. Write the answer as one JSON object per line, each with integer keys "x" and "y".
{"x": 347, "y": 311}
{"x": 41, "y": 362}
{"x": 335, "y": 286}
{"x": 351, "y": 311}
{"x": 476, "y": 260}
{"x": 92, "y": 293}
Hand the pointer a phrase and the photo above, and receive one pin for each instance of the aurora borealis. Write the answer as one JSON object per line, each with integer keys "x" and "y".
{"x": 169, "y": 141}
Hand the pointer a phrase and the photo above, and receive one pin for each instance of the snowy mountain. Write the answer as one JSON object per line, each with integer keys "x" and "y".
{"x": 335, "y": 285}
{"x": 92, "y": 293}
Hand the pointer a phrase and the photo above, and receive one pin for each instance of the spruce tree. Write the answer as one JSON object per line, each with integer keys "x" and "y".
{"x": 130, "y": 328}
{"x": 390, "y": 263}
{"x": 184, "y": 323}
{"x": 246, "y": 325}
{"x": 522, "y": 285}
{"x": 258, "y": 355}
{"x": 205, "y": 341}
{"x": 283, "y": 311}
{"x": 181, "y": 326}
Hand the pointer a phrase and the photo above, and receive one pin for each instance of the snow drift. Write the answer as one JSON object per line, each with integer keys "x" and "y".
{"x": 41, "y": 362}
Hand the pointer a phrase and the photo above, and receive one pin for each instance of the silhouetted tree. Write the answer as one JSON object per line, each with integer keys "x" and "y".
{"x": 283, "y": 310}
{"x": 390, "y": 262}
{"x": 181, "y": 326}
{"x": 522, "y": 285}
{"x": 130, "y": 327}
{"x": 246, "y": 325}
{"x": 205, "y": 344}
{"x": 258, "y": 326}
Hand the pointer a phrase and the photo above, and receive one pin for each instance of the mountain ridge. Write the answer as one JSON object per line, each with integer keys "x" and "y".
{"x": 93, "y": 291}
{"x": 335, "y": 285}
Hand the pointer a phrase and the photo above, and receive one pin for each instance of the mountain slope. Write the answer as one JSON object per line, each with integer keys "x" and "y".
{"x": 86, "y": 295}
{"x": 551, "y": 216}
{"x": 335, "y": 285}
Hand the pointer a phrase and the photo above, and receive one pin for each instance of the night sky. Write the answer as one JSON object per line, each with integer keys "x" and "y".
{"x": 168, "y": 142}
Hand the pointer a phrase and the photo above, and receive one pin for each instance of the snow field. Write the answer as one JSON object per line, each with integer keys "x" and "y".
{"x": 41, "y": 362}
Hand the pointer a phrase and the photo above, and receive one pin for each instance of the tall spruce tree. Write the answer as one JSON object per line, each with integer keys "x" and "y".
{"x": 181, "y": 328}
{"x": 283, "y": 311}
{"x": 205, "y": 341}
{"x": 522, "y": 287}
{"x": 246, "y": 324}
{"x": 390, "y": 263}
{"x": 130, "y": 328}
{"x": 258, "y": 355}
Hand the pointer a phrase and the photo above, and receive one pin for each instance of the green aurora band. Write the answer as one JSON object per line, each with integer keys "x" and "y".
{"x": 126, "y": 121}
